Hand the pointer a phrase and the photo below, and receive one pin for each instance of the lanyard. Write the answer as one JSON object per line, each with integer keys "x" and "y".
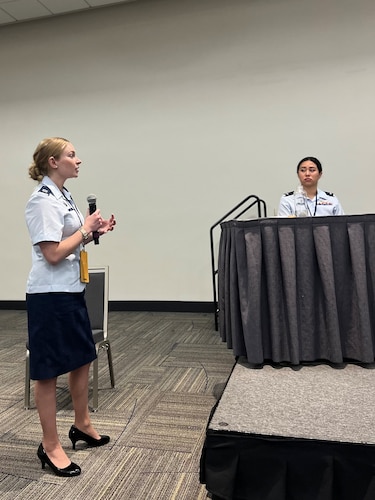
{"x": 73, "y": 205}
{"x": 316, "y": 204}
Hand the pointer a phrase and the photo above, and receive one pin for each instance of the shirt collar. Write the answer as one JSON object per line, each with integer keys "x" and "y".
{"x": 47, "y": 181}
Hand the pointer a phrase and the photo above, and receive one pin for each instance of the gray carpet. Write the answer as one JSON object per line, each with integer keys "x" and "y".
{"x": 169, "y": 369}
{"x": 314, "y": 402}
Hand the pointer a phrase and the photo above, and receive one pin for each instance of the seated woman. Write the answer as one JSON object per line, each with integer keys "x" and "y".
{"x": 317, "y": 202}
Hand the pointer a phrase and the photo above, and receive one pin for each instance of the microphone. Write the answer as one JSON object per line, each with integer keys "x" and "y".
{"x": 91, "y": 200}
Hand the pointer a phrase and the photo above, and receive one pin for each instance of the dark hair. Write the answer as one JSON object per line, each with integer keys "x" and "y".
{"x": 314, "y": 160}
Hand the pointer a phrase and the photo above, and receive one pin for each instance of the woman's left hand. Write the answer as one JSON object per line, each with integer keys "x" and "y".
{"x": 107, "y": 225}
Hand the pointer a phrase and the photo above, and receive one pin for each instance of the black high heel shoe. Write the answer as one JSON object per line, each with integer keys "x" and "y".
{"x": 77, "y": 435}
{"x": 70, "y": 471}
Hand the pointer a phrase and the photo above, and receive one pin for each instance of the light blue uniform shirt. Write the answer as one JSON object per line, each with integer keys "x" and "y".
{"x": 324, "y": 203}
{"x": 52, "y": 216}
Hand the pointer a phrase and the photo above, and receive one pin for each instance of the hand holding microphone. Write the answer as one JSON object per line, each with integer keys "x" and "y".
{"x": 105, "y": 225}
{"x": 91, "y": 199}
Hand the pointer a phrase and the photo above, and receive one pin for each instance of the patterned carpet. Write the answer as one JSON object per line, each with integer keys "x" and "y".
{"x": 168, "y": 368}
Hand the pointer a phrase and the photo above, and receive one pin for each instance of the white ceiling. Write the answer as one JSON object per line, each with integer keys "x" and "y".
{"x": 16, "y": 11}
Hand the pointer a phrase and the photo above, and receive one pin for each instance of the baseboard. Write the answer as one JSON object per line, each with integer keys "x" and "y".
{"x": 161, "y": 306}
{"x": 12, "y": 305}
{"x": 133, "y": 305}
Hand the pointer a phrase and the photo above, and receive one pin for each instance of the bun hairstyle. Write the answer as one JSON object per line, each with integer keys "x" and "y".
{"x": 314, "y": 160}
{"x": 52, "y": 146}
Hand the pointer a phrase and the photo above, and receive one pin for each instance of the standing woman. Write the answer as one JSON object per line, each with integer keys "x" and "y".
{"x": 60, "y": 337}
{"x": 318, "y": 202}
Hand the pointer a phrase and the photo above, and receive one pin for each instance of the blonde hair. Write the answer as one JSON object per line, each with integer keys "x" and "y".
{"x": 52, "y": 146}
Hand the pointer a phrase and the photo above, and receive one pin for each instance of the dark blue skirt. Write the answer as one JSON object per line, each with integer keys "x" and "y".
{"x": 60, "y": 336}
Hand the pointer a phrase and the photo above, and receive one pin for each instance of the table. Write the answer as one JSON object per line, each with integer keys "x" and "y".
{"x": 294, "y": 290}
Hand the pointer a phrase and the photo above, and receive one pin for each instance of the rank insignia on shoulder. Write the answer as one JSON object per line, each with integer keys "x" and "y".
{"x": 288, "y": 194}
{"x": 45, "y": 189}
{"x": 329, "y": 193}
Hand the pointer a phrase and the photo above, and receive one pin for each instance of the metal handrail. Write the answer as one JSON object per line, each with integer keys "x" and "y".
{"x": 260, "y": 205}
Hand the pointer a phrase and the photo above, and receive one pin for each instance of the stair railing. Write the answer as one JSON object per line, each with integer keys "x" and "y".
{"x": 262, "y": 212}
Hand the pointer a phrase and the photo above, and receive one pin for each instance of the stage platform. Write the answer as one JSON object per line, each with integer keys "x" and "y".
{"x": 292, "y": 433}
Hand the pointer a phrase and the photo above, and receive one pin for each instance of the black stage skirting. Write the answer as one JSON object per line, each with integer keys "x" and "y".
{"x": 244, "y": 459}
{"x": 250, "y": 467}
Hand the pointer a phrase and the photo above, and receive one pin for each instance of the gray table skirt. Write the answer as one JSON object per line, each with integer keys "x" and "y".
{"x": 298, "y": 290}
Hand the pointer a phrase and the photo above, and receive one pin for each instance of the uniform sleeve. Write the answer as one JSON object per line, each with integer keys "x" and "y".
{"x": 44, "y": 220}
{"x": 285, "y": 207}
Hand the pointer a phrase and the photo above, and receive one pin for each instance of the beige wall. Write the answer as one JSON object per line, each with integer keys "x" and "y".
{"x": 179, "y": 110}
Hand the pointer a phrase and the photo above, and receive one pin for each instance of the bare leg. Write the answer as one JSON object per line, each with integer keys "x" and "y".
{"x": 79, "y": 390}
{"x": 45, "y": 399}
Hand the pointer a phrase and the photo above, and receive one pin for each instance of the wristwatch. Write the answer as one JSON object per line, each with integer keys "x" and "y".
{"x": 85, "y": 234}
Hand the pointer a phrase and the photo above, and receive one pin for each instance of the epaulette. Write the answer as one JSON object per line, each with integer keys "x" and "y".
{"x": 45, "y": 189}
{"x": 288, "y": 194}
{"x": 328, "y": 193}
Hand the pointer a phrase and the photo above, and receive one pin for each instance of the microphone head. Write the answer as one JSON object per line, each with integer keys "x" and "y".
{"x": 91, "y": 199}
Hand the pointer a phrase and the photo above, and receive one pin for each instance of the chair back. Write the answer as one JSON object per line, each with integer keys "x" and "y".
{"x": 96, "y": 296}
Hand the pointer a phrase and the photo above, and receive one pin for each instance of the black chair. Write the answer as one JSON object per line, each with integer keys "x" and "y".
{"x": 97, "y": 305}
